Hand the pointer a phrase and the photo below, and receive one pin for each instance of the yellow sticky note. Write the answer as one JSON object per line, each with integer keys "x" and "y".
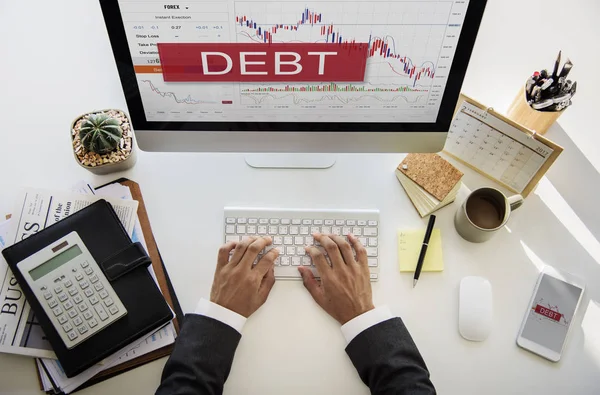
{"x": 409, "y": 248}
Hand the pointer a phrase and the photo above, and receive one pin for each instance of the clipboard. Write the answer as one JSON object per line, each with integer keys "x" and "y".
{"x": 498, "y": 148}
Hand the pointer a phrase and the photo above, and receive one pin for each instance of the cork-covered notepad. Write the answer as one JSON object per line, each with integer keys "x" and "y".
{"x": 430, "y": 181}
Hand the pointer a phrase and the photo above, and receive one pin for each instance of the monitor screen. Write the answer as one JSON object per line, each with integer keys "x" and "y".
{"x": 417, "y": 56}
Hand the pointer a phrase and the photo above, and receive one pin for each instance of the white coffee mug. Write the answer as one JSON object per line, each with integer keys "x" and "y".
{"x": 483, "y": 213}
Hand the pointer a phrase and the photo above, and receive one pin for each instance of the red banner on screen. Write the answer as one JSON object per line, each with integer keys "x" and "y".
{"x": 546, "y": 312}
{"x": 251, "y": 62}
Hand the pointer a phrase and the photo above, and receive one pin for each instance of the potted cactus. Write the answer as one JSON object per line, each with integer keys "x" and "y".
{"x": 103, "y": 141}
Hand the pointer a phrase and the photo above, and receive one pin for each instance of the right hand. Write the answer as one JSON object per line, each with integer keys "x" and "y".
{"x": 345, "y": 288}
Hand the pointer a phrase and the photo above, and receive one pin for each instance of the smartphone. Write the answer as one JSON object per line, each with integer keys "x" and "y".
{"x": 550, "y": 313}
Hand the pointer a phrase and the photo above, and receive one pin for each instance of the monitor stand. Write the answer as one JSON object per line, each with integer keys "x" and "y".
{"x": 290, "y": 161}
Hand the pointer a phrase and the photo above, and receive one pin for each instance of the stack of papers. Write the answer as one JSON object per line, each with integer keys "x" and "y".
{"x": 19, "y": 332}
{"x": 430, "y": 181}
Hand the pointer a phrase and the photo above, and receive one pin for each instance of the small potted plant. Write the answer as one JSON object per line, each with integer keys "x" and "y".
{"x": 103, "y": 141}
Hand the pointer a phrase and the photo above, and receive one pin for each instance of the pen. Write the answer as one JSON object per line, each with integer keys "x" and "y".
{"x": 424, "y": 249}
{"x": 556, "y": 65}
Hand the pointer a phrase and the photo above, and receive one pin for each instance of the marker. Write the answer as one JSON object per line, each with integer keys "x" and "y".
{"x": 566, "y": 69}
{"x": 556, "y": 65}
{"x": 424, "y": 249}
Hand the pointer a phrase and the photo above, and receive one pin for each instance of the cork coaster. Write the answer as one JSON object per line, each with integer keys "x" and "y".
{"x": 432, "y": 173}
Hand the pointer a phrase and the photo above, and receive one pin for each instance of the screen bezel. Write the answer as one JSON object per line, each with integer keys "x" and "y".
{"x": 124, "y": 62}
{"x": 532, "y": 345}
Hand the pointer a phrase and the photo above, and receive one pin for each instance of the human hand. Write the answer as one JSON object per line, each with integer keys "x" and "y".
{"x": 345, "y": 288}
{"x": 239, "y": 285}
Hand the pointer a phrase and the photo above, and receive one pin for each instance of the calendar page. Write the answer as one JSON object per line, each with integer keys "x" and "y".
{"x": 496, "y": 148}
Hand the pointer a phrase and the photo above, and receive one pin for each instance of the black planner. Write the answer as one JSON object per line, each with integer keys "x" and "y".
{"x": 125, "y": 265}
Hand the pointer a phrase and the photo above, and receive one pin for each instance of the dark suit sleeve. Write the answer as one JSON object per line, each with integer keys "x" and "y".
{"x": 201, "y": 359}
{"x": 388, "y": 361}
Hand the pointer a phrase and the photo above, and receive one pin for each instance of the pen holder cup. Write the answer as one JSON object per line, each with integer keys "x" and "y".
{"x": 522, "y": 113}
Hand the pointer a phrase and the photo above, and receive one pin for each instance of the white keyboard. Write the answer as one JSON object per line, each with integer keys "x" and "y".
{"x": 292, "y": 229}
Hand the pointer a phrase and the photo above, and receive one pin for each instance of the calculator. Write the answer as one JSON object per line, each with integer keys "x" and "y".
{"x": 72, "y": 289}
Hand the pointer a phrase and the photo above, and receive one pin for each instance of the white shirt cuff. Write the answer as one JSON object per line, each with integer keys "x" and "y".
{"x": 220, "y": 313}
{"x": 355, "y": 326}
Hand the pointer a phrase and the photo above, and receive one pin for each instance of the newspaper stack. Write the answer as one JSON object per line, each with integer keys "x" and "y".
{"x": 20, "y": 332}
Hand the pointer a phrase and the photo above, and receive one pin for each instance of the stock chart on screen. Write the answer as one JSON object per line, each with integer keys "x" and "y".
{"x": 411, "y": 45}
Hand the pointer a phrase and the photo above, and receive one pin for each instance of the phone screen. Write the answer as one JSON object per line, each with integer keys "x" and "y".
{"x": 551, "y": 313}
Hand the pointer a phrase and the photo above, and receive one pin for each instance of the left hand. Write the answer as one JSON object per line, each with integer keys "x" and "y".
{"x": 239, "y": 285}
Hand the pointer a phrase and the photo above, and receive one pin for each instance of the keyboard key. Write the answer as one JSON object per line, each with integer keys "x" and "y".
{"x": 79, "y": 277}
{"x": 309, "y": 241}
{"x": 340, "y": 222}
{"x": 93, "y": 300}
{"x": 274, "y": 221}
{"x": 252, "y": 221}
{"x": 84, "y": 284}
{"x": 296, "y": 261}
{"x": 296, "y": 221}
{"x": 240, "y": 229}
{"x": 281, "y": 250}
{"x": 230, "y": 229}
{"x": 108, "y": 302}
{"x": 88, "y": 292}
{"x": 306, "y": 261}
{"x": 285, "y": 261}
{"x": 73, "y": 313}
{"x": 361, "y": 222}
{"x": 356, "y": 231}
{"x": 261, "y": 230}
{"x": 307, "y": 222}
{"x": 283, "y": 230}
{"x": 230, "y": 220}
{"x": 67, "y": 327}
{"x": 62, "y": 319}
{"x": 103, "y": 294}
{"x": 242, "y": 220}
{"x": 346, "y": 230}
{"x": 232, "y": 238}
{"x": 371, "y": 251}
{"x": 363, "y": 240}
{"x": 92, "y": 323}
{"x": 52, "y": 303}
{"x": 94, "y": 279}
{"x": 77, "y": 299}
{"x": 113, "y": 309}
{"x": 82, "y": 307}
{"x": 336, "y": 230}
{"x": 88, "y": 271}
{"x": 72, "y": 335}
{"x": 47, "y": 295}
{"x": 290, "y": 251}
{"x": 318, "y": 222}
{"x": 294, "y": 230}
{"x": 326, "y": 230}
{"x": 77, "y": 321}
{"x": 288, "y": 240}
{"x": 68, "y": 283}
{"x": 304, "y": 230}
{"x": 273, "y": 230}
{"x": 373, "y": 276}
{"x": 299, "y": 240}
{"x": 263, "y": 221}
{"x": 101, "y": 312}
{"x": 82, "y": 329}
{"x": 351, "y": 222}
{"x": 370, "y": 231}
{"x": 62, "y": 297}
{"x": 286, "y": 221}
{"x": 300, "y": 251}
{"x": 329, "y": 222}
{"x": 372, "y": 262}
{"x": 251, "y": 229}
{"x": 88, "y": 314}
{"x": 244, "y": 238}
{"x": 372, "y": 223}
{"x": 315, "y": 229}
{"x": 57, "y": 289}
{"x": 73, "y": 291}
{"x": 372, "y": 241}
{"x": 57, "y": 311}
{"x": 84, "y": 264}
{"x": 277, "y": 240}
{"x": 68, "y": 305}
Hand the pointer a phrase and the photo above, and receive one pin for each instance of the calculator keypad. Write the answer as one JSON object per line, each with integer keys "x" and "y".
{"x": 82, "y": 304}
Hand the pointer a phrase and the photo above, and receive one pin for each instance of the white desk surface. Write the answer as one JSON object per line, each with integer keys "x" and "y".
{"x": 57, "y": 63}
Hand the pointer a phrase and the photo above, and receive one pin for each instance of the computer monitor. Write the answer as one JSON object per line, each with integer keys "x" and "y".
{"x": 417, "y": 56}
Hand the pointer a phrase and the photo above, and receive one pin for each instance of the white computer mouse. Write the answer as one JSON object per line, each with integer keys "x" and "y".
{"x": 475, "y": 308}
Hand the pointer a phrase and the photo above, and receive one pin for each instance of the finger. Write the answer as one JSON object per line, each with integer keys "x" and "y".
{"x": 267, "y": 284}
{"x": 335, "y": 256}
{"x": 318, "y": 260}
{"x": 240, "y": 250}
{"x": 359, "y": 249}
{"x": 344, "y": 248}
{"x": 223, "y": 256}
{"x": 266, "y": 263}
{"x": 312, "y": 285}
{"x": 254, "y": 249}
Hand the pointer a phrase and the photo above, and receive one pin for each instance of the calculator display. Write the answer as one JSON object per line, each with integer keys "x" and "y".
{"x": 55, "y": 262}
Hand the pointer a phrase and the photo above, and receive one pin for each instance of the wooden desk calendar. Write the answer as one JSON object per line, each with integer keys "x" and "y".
{"x": 499, "y": 148}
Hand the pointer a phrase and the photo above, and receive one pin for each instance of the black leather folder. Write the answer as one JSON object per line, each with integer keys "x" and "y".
{"x": 125, "y": 265}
